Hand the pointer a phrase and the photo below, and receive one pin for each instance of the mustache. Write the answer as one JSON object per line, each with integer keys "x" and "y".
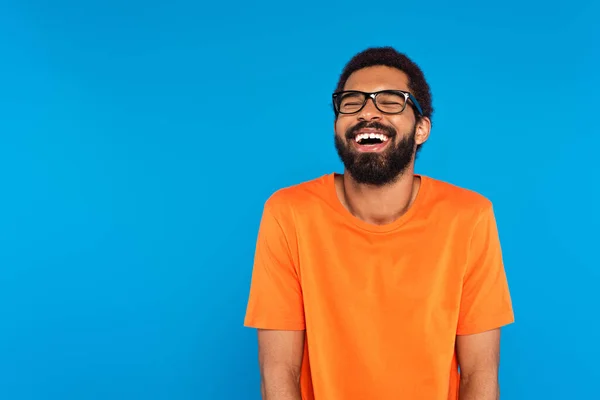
{"x": 353, "y": 131}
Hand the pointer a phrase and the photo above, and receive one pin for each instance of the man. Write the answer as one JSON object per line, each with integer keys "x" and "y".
{"x": 379, "y": 283}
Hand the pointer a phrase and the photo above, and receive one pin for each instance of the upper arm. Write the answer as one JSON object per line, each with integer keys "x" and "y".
{"x": 275, "y": 300}
{"x": 485, "y": 299}
{"x": 479, "y": 352}
{"x": 280, "y": 352}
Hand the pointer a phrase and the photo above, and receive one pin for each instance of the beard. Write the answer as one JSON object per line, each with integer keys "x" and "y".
{"x": 380, "y": 168}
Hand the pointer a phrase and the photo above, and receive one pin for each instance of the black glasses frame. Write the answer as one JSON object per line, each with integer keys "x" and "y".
{"x": 373, "y": 96}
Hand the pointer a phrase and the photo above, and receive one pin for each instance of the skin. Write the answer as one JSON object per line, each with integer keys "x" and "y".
{"x": 280, "y": 362}
{"x": 380, "y": 204}
{"x": 280, "y": 352}
{"x": 479, "y": 357}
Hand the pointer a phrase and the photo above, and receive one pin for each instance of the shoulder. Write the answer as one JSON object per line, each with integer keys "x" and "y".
{"x": 458, "y": 200}
{"x": 299, "y": 198}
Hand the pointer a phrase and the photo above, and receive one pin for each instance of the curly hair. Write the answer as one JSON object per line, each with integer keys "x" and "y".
{"x": 389, "y": 57}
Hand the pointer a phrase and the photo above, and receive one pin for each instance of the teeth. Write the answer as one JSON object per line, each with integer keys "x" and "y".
{"x": 379, "y": 136}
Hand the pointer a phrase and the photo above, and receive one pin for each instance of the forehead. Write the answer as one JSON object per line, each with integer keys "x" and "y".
{"x": 380, "y": 77}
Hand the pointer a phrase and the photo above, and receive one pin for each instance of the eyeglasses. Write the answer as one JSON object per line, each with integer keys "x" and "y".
{"x": 386, "y": 101}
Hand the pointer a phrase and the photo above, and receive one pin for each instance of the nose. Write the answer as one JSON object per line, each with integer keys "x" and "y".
{"x": 369, "y": 112}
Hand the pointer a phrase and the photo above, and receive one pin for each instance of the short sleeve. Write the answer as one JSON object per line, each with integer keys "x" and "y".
{"x": 275, "y": 300}
{"x": 485, "y": 299}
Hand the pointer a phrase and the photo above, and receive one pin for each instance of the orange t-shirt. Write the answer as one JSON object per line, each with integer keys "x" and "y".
{"x": 381, "y": 305}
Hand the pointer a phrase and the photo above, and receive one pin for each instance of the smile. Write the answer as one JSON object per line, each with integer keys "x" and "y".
{"x": 370, "y": 141}
{"x": 370, "y": 138}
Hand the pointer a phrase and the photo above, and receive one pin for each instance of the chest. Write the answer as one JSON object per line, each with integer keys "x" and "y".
{"x": 420, "y": 268}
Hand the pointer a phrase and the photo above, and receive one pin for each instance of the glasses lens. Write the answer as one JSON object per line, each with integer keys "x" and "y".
{"x": 391, "y": 102}
{"x": 350, "y": 102}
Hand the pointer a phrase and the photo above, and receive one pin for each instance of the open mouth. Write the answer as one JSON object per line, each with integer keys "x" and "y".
{"x": 370, "y": 139}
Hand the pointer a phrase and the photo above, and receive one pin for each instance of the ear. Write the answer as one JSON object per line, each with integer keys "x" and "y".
{"x": 422, "y": 131}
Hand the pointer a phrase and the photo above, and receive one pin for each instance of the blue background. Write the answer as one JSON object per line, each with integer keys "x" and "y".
{"x": 139, "y": 140}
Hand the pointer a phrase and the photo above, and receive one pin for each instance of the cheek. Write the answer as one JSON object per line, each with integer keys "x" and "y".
{"x": 341, "y": 126}
{"x": 402, "y": 126}
{"x": 338, "y": 127}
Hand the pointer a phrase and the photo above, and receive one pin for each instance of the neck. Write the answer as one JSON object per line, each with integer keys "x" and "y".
{"x": 379, "y": 205}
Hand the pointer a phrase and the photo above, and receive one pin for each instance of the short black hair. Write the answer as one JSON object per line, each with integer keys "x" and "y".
{"x": 390, "y": 57}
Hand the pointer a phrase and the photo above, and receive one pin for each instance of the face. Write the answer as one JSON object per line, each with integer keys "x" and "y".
{"x": 381, "y": 159}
